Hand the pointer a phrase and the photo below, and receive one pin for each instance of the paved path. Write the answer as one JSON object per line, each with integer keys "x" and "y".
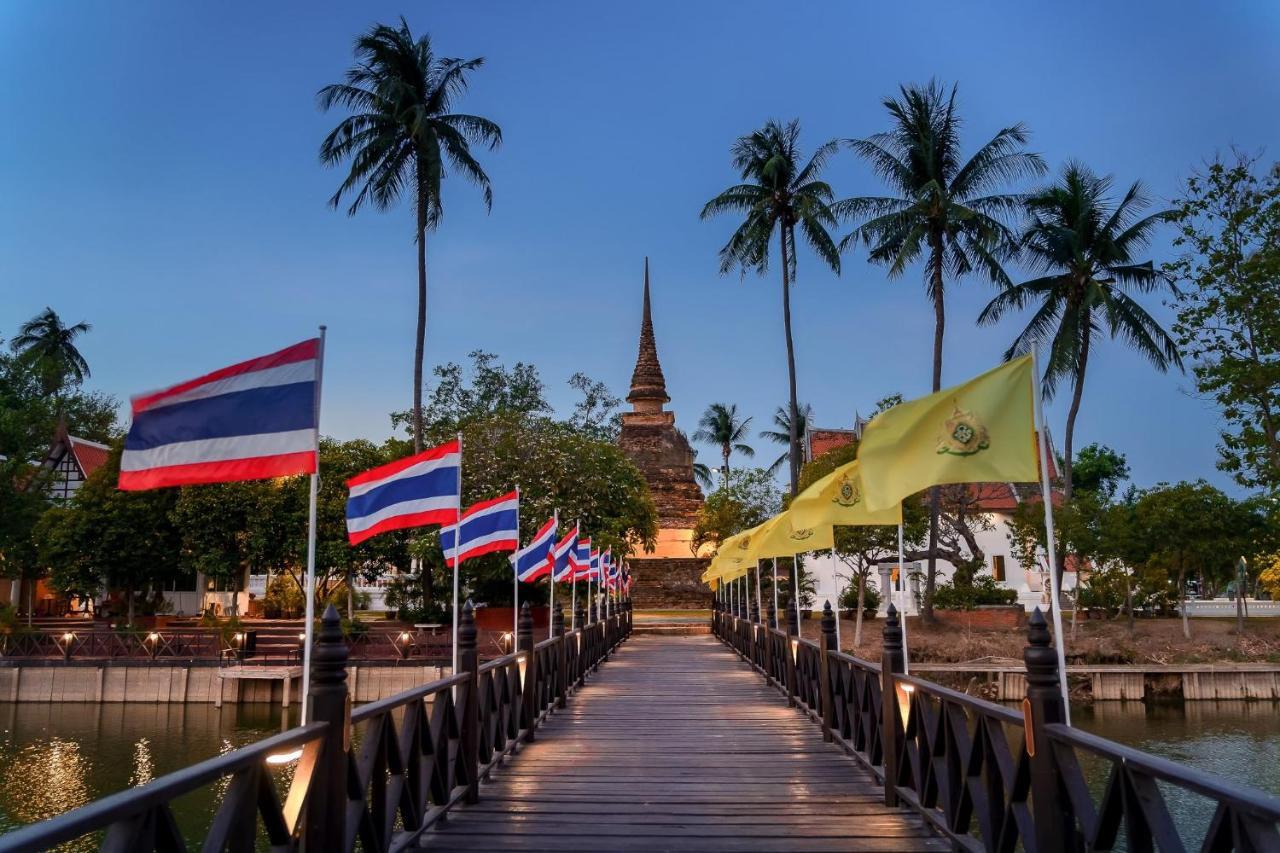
{"x": 676, "y": 744}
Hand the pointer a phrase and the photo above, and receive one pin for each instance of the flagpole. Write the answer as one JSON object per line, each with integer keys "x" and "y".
{"x": 515, "y": 580}
{"x": 795, "y": 589}
{"x": 839, "y": 596}
{"x": 309, "y": 630}
{"x": 902, "y": 578}
{"x": 457, "y": 537}
{"x": 551, "y": 557}
{"x": 775, "y": 589}
{"x": 573, "y": 579}
{"x": 1047, "y": 496}
{"x": 759, "y": 600}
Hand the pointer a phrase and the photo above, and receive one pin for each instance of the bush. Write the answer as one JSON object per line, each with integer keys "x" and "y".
{"x": 870, "y": 598}
{"x": 983, "y": 591}
{"x": 283, "y": 599}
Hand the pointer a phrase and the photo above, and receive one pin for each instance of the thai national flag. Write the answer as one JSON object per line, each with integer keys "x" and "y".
{"x": 249, "y": 421}
{"x": 582, "y": 560}
{"x": 562, "y": 556}
{"x": 487, "y": 527}
{"x": 419, "y": 490}
{"x": 593, "y": 573}
{"x": 531, "y": 561}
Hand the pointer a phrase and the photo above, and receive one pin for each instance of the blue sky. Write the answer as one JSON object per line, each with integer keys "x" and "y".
{"x": 159, "y": 178}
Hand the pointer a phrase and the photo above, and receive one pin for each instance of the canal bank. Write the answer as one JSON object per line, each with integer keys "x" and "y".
{"x": 192, "y": 683}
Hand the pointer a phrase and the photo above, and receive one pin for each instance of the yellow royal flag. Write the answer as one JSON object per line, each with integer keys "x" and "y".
{"x": 979, "y": 432}
{"x": 836, "y": 499}
{"x": 778, "y": 538}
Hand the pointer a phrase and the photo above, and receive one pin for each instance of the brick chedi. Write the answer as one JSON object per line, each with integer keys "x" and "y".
{"x": 667, "y": 576}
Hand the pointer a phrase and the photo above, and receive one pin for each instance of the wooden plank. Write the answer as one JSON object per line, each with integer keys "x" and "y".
{"x": 677, "y": 744}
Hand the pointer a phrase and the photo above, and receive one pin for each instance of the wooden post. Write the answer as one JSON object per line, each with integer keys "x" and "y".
{"x": 524, "y": 642}
{"x": 327, "y": 795}
{"x": 469, "y": 701}
{"x": 891, "y": 733}
{"x": 828, "y": 647}
{"x": 789, "y": 653}
{"x": 773, "y": 616}
{"x": 755, "y": 612}
{"x": 1045, "y": 704}
{"x": 562, "y": 663}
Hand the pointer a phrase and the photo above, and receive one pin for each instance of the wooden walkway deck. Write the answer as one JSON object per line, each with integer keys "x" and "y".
{"x": 676, "y": 744}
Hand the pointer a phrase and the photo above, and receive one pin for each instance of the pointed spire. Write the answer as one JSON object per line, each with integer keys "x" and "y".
{"x": 648, "y": 385}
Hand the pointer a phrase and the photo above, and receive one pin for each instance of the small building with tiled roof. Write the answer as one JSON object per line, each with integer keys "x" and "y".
{"x": 70, "y": 461}
{"x": 996, "y": 501}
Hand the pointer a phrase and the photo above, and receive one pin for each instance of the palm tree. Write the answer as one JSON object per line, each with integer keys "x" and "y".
{"x": 400, "y": 138}
{"x": 1085, "y": 244}
{"x": 946, "y": 211}
{"x": 721, "y": 426}
{"x": 702, "y": 473}
{"x": 781, "y": 433}
{"x": 49, "y": 343}
{"x": 778, "y": 194}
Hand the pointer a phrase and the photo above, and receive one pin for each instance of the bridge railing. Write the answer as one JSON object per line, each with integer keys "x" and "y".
{"x": 373, "y": 778}
{"x": 989, "y": 777}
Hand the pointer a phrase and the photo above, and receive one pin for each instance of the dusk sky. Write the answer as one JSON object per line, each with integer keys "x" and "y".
{"x": 159, "y": 179}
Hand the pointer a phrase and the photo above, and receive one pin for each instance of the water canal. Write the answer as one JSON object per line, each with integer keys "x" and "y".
{"x": 56, "y": 757}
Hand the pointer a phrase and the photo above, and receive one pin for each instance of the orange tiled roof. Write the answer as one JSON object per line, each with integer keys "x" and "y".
{"x": 90, "y": 455}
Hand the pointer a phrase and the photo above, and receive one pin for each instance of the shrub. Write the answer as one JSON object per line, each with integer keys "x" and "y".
{"x": 983, "y": 591}
{"x": 870, "y": 598}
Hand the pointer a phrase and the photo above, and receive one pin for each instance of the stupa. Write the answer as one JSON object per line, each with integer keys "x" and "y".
{"x": 669, "y": 575}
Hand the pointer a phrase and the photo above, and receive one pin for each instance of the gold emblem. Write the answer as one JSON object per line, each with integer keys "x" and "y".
{"x": 963, "y": 435}
{"x": 847, "y": 492}
{"x": 802, "y": 534}
{"x": 744, "y": 543}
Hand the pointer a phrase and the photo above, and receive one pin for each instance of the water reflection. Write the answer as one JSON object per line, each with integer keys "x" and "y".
{"x": 55, "y": 757}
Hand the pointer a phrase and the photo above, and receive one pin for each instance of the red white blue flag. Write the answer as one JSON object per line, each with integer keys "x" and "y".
{"x": 531, "y": 561}
{"x": 487, "y": 527}
{"x": 250, "y": 421}
{"x": 562, "y": 556}
{"x": 416, "y": 491}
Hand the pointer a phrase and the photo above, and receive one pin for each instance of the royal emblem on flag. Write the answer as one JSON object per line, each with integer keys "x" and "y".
{"x": 963, "y": 435}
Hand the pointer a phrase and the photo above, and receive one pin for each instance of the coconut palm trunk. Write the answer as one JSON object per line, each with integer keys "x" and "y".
{"x": 1068, "y": 437}
{"x": 420, "y": 342}
{"x": 791, "y": 362}
{"x": 936, "y": 287}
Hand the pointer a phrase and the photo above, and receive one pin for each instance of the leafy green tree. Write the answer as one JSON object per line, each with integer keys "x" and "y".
{"x": 946, "y": 211}
{"x": 51, "y": 345}
{"x": 125, "y": 540}
{"x": 1194, "y": 530}
{"x": 781, "y": 432}
{"x": 597, "y": 412}
{"x": 401, "y": 139}
{"x": 720, "y": 425}
{"x": 779, "y": 194}
{"x": 1086, "y": 246}
{"x": 1229, "y": 308}
{"x": 1100, "y": 470}
{"x": 748, "y": 497}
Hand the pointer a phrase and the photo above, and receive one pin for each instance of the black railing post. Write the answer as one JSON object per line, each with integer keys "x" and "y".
{"x": 824, "y": 677}
{"x": 789, "y": 653}
{"x": 327, "y": 794}
{"x": 562, "y": 659}
{"x": 891, "y": 664}
{"x": 580, "y": 617}
{"x": 773, "y": 615}
{"x": 755, "y": 612}
{"x": 528, "y": 684}
{"x": 469, "y": 702}
{"x": 1044, "y": 704}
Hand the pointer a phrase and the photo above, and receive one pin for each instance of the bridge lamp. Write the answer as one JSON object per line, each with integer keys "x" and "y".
{"x": 795, "y": 650}
{"x": 279, "y": 758}
{"x": 302, "y": 638}
{"x": 67, "y": 639}
{"x": 153, "y": 636}
{"x": 507, "y": 642}
{"x": 904, "y": 699}
{"x": 522, "y": 660}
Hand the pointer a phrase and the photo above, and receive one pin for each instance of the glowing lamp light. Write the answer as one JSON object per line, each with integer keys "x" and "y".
{"x": 404, "y": 636}
{"x": 68, "y": 637}
{"x": 522, "y": 660}
{"x": 238, "y": 637}
{"x": 795, "y": 650}
{"x": 904, "y": 699}
{"x": 302, "y": 638}
{"x": 279, "y": 758}
{"x": 153, "y": 636}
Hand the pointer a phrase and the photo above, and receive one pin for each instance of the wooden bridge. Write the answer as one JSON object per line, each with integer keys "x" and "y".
{"x": 748, "y": 739}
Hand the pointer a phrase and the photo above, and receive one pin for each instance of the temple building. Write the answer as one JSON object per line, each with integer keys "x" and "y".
{"x": 669, "y": 575}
